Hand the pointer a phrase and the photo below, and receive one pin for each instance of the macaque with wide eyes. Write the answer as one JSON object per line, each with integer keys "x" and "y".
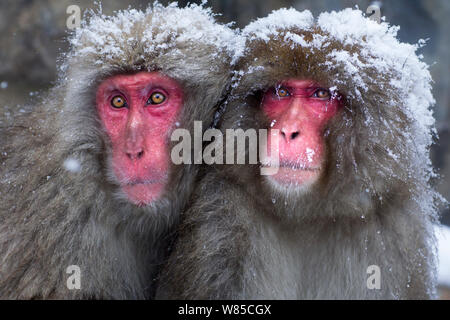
{"x": 138, "y": 112}
{"x": 89, "y": 193}
{"x": 348, "y": 209}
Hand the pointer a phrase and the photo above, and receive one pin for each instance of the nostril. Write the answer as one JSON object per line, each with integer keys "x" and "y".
{"x": 294, "y": 135}
{"x": 135, "y": 155}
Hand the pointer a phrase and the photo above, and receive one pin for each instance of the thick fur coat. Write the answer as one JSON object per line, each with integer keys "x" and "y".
{"x": 52, "y": 216}
{"x": 244, "y": 239}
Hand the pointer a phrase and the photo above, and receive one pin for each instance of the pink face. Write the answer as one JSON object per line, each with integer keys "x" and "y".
{"x": 300, "y": 110}
{"x": 138, "y": 113}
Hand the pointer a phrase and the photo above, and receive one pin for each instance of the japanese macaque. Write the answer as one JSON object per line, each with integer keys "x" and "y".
{"x": 347, "y": 210}
{"x": 89, "y": 193}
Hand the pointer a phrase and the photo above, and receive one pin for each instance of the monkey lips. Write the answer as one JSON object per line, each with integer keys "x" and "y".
{"x": 293, "y": 174}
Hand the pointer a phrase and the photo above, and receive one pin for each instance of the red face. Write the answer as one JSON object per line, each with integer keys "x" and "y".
{"x": 138, "y": 113}
{"x": 300, "y": 110}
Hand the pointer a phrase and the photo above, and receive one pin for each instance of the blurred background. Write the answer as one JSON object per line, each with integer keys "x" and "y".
{"x": 32, "y": 37}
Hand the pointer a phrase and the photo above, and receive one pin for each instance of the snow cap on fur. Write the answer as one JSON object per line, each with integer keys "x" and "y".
{"x": 181, "y": 42}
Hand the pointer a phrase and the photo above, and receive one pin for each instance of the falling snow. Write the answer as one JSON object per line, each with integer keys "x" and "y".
{"x": 309, "y": 154}
{"x": 72, "y": 165}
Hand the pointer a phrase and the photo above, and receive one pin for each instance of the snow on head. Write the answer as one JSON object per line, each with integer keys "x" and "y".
{"x": 264, "y": 28}
{"x": 382, "y": 51}
{"x": 156, "y": 30}
{"x": 102, "y": 35}
{"x": 188, "y": 25}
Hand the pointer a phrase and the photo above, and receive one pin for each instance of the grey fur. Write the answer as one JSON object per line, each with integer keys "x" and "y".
{"x": 244, "y": 239}
{"x": 51, "y": 218}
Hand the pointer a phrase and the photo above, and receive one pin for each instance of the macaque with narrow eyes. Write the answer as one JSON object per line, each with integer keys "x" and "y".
{"x": 299, "y": 110}
{"x": 89, "y": 194}
{"x": 348, "y": 210}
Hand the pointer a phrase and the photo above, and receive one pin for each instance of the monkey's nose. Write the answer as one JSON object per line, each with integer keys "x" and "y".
{"x": 289, "y": 135}
{"x": 135, "y": 155}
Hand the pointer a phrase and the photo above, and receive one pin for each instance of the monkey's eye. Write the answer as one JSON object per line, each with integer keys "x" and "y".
{"x": 323, "y": 94}
{"x": 282, "y": 92}
{"x": 156, "y": 98}
{"x": 118, "y": 102}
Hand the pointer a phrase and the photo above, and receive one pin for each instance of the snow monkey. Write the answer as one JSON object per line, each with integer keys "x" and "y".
{"x": 347, "y": 212}
{"x": 88, "y": 190}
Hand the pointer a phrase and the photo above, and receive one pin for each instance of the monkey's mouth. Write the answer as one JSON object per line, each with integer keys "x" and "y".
{"x": 148, "y": 179}
{"x": 144, "y": 182}
{"x": 142, "y": 192}
{"x": 292, "y": 174}
{"x": 295, "y": 166}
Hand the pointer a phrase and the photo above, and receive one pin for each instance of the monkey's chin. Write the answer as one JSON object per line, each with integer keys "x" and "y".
{"x": 142, "y": 194}
{"x": 300, "y": 179}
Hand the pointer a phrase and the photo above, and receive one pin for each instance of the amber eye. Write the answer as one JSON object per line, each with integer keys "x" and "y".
{"x": 156, "y": 98}
{"x": 282, "y": 92}
{"x": 118, "y": 102}
{"x": 322, "y": 94}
